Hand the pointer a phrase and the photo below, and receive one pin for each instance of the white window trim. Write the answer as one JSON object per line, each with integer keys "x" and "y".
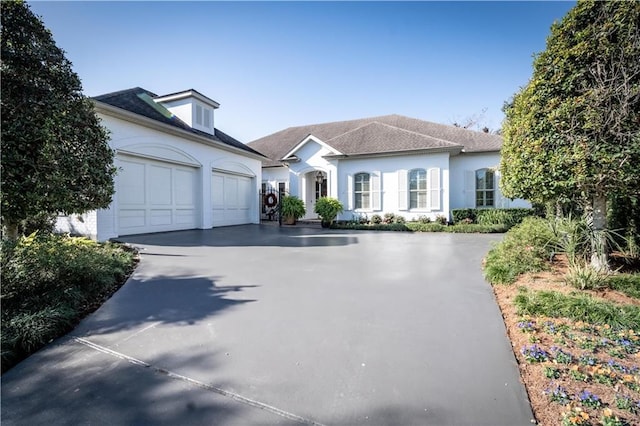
{"x": 484, "y": 190}
{"x": 375, "y": 192}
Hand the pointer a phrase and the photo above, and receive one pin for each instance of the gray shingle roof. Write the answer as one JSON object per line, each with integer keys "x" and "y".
{"x": 384, "y": 134}
{"x": 132, "y": 100}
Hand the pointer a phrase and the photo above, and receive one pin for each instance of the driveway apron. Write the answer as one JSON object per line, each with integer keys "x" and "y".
{"x": 264, "y": 325}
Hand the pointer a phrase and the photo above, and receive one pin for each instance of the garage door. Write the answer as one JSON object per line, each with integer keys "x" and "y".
{"x": 154, "y": 196}
{"x": 231, "y": 199}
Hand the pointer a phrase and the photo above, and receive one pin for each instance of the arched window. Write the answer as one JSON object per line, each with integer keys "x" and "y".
{"x": 418, "y": 189}
{"x": 485, "y": 188}
{"x": 362, "y": 191}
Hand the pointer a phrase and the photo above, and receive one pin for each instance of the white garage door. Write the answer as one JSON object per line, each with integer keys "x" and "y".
{"x": 231, "y": 199}
{"x": 154, "y": 196}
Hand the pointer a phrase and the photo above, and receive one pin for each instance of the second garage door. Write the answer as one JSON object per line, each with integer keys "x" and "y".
{"x": 231, "y": 199}
{"x": 155, "y": 196}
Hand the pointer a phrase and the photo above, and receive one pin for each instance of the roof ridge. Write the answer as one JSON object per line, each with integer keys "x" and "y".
{"x": 418, "y": 133}
{"x": 119, "y": 92}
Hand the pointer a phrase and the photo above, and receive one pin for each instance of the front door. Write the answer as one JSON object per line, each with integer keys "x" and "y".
{"x": 316, "y": 187}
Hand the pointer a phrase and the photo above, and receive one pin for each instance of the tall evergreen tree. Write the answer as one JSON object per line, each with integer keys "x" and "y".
{"x": 572, "y": 134}
{"x": 55, "y": 156}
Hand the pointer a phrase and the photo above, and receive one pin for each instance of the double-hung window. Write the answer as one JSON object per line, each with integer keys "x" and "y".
{"x": 362, "y": 191}
{"x": 485, "y": 188}
{"x": 418, "y": 189}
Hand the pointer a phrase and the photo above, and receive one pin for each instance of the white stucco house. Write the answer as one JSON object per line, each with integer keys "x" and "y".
{"x": 176, "y": 170}
{"x": 388, "y": 164}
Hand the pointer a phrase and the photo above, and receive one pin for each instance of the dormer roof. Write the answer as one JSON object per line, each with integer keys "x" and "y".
{"x": 191, "y": 93}
{"x": 143, "y": 103}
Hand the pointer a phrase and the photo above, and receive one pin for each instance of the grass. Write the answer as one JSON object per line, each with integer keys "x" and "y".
{"x": 628, "y": 284}
{"x": 49, "y": 282}
{"x": 577, "y": 307}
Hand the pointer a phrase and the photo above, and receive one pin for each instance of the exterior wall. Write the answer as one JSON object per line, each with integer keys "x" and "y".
{"x": 389, "y": 168}
{"x": 463, "y": 163}
{"x": 271, "y": 176}
{"x": 302, "y": 174}
{"x": 85, "y": 224}
{"x": 135, "y": 139}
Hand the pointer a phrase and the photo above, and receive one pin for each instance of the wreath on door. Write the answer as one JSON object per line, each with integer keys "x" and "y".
{"x": 270, "y": 200}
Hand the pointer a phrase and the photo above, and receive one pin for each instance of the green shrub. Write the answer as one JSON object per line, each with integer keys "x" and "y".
{"x": 494, "y": 217}
{"x": 509, "y": 217}
{"x": 328, "y": 208}
{"x": 583, "y": 277}
{"x": 49, "y": 282}
{"x": 292, "y": 207}
{"x": 525, "y": 248}
{"x": 472, "y": 228}
{"x": 424, "y": 219}
{"x": 399, "y": 219}
{"x": 425, "y": 227}
{"x": 459, "y": 215}
{"x": 441, "y": 219}
{"x": 371, "y": 227}
{"x": 389, "y": 218}
{"x": 376, "y": 219}
{"x": 571, "y": 236}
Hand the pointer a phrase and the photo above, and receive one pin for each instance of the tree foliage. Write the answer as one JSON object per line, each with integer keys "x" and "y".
{"x": 55, "y": 156}
{"x": 573, "y": 132}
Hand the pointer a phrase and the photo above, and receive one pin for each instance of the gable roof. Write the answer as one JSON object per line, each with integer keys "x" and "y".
{"x": 140, "y": 101}
{"x": 383, "y": 134}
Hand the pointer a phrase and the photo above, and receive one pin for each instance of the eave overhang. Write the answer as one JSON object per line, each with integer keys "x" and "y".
{"x": 131, "y": 117}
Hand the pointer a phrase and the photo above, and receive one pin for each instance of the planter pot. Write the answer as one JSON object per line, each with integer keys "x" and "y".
{"x": 289, "y": 220}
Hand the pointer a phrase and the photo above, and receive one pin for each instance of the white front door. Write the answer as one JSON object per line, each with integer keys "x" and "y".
{"x": 315, "y": 187}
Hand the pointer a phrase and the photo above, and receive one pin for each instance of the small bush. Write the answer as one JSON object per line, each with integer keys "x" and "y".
{"x": 494, "y": 217}
{"x": 399, "y": 219}
{"x": 376, "y": 219}
{"x": 424, "y": 219}
{"x": 442, "y": 220}
{"x": 459, "y": 215}
{"x": 389, "y": 218}
{"x": 473, "y": 228}
{"x": 509, "y": 217}
{"x": 583, "y": 277}
{"x": 328, "y": 208}
{"x": 425, "y": 227}
{"x": 525, "y": 248}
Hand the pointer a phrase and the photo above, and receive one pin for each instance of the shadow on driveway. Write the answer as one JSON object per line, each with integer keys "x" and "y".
{"x": 246, "y": 236}
{"x": 173, "y": 300}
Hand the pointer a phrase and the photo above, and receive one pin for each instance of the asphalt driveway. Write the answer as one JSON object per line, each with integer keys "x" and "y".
{"x": 261, "y": 325}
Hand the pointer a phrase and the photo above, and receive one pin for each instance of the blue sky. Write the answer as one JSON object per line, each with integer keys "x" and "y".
{"x": 272, "y": 65}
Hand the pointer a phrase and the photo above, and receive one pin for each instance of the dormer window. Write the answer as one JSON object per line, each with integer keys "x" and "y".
{"x": 191, "y": 107}
{"x": 203, "y": 116}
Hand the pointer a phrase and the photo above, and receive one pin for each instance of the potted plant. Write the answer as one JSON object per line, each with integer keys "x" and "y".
{"x": 328, "y": 209}
{"x": 292, "y": 209}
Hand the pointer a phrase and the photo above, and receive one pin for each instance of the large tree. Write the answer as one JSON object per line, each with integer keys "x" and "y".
{"x": 55, "y": 156}
{"x": 572, "y": 134}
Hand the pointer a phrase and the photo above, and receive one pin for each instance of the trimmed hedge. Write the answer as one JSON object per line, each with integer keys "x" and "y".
{"x": 509, "y": 217}
{"x": 423, "y": 227}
